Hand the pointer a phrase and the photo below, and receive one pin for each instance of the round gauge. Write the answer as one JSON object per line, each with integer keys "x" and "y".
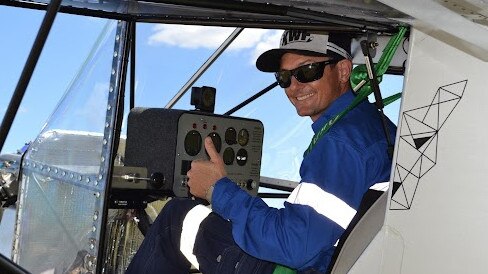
{"x": 231, "y": 136}
{"x": 193, "y": 143}
{"x": 241, "y": 157}
{"x": 228, "y": 156}
{"x": 217, "y": 141}
{"x": 243, "y": 137}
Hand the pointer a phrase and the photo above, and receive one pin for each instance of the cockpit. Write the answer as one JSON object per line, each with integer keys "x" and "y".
{"x": 124, "y": 133}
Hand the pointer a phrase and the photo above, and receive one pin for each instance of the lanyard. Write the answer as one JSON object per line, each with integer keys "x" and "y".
{"x": 359, "y": 98}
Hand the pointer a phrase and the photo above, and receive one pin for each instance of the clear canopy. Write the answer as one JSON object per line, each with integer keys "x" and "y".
{"x": 64, "y": 175}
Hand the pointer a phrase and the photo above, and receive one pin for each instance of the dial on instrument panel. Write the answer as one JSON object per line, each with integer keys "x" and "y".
{"x": 216, "y": 140}
{"x": 231, "y": 136}
{"x": 228, "y": 156}
{"x": 193, "y": 142}
{"x": 241, "y": 157}
{"x": 243, "y": 137}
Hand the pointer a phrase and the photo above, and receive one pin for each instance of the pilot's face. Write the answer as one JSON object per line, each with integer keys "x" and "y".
{"x": 313, "y": 98}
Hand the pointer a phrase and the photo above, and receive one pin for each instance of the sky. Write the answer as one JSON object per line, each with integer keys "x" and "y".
{"x": 166, "y": 57}
{"x": 70, "y": 42}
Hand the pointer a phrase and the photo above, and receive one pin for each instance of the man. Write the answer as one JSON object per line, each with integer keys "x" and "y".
{"x": 243, "y": 234}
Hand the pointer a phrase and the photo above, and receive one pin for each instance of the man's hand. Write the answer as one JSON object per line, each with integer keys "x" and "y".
{"x": 203, "y": 174}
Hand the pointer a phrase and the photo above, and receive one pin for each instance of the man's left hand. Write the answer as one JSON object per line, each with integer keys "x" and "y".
{"x": 203, "y": 174}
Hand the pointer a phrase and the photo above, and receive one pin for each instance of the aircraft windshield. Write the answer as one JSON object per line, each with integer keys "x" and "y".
{"x": 65, "y": 169}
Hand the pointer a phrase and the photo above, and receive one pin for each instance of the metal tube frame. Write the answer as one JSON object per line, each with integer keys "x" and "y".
{"x": 252, "y": 98}
{"x": 118, "y": 81}
{"x": 132, "y": 65}
{"x": 284, "y": 16}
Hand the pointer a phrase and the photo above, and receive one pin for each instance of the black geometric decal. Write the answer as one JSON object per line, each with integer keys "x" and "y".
{"x": 419, "y": 134}
{"x": 421, "y": 140}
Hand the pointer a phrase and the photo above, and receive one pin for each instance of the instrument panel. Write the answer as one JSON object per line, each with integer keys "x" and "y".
{"x": 165, "y": 142}
{"x": 238, "y": 141}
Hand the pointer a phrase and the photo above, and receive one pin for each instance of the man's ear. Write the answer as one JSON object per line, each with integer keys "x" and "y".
{"x": 345, "y": 68}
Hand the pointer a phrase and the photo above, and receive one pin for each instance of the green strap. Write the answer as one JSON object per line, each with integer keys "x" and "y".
{"x": 390, "y": 99}
{"x": 283, "y": 270}
{"x": 360, "y": 97}
{"x": 358, "y": 80}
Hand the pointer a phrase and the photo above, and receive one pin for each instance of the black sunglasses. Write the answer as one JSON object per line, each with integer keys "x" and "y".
{"x": 304, "y": 74}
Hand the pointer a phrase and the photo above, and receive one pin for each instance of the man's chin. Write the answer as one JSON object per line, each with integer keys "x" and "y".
{"x": 313, "y": 115}
{"x": 303, "y": 113}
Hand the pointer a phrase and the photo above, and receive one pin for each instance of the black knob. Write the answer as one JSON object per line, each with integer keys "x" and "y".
{"x": 157, "y": 180}
{"x": 250, "y": 184}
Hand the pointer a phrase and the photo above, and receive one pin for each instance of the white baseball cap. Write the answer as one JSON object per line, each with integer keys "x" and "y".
{"x": 335, "y": 45}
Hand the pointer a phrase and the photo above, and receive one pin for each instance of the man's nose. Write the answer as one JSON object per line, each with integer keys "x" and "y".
{"x": 294, "y": 84}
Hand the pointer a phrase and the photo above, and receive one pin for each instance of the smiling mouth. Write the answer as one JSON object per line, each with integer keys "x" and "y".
{"x": 304, "y": 97}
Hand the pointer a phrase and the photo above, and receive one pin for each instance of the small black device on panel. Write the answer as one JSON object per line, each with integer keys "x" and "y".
{"x": 166, "y": 141}
{"x": 203, "y": 98}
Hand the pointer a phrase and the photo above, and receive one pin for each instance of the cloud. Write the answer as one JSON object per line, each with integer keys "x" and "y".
{"x": 191, "y": 37}
{"x": 268, "y": 41}
{"x": 194, "y": 37}
{"x": 249, "y": 38}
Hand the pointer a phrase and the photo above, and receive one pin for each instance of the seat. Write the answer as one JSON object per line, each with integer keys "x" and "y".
{"x": 363, "y": 228}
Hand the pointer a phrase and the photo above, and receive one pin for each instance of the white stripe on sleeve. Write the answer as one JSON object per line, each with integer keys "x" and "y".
{"x": 191, "y": 224}
{"x": 380, "y": 186}
{"x": 324, "y": 203}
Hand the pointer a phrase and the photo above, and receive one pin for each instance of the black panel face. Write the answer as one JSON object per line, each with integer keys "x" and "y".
{"x": 185, "y": 166}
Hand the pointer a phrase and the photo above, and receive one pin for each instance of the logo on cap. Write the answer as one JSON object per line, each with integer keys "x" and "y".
{"x": 293, "y": 36}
